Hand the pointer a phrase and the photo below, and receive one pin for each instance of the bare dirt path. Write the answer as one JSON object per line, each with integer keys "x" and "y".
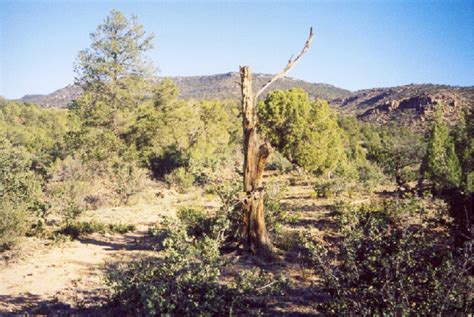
{"x": 65, "y": 274}
{"x": 41, "y": 274}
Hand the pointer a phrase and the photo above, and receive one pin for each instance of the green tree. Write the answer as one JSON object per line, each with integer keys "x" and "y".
{"x": 20, "y": 193}
{"x": 441, "y": 164}
{"x": 399, "y": 152}
{"x": 113, "y": 72}
{"x": 448, "y": 165}
{"x": 305, "y": 131}
{"x": 171, "y": 133}
{"x": 115, "y": 76}
{"x": 464, "y": 144}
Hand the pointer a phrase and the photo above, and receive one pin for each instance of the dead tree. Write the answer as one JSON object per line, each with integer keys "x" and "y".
{"x": 256, "y": 153}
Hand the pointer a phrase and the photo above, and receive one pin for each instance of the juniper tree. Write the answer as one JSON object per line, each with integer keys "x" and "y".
{"x": 441, "y": 164}
{"x": 305, "y": 131}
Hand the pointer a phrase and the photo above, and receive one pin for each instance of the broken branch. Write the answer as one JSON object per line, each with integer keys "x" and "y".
{"x": 292, "y": 62}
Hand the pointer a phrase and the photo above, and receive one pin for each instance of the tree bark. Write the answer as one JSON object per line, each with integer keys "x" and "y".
{"x": 256, "y": 238}
{"x": 255, "y": 157}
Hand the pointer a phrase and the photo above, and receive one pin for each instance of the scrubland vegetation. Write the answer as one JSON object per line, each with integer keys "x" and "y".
{"x": 394, "y": 236}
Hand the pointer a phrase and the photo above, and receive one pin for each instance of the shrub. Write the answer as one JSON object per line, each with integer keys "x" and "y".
{"x": 127, "y": 179}
{"x": 333, "y": 187}
{"x": 275, "y": 216}
{"x": 181, "y": 178}
{"x": 20, "y": 194}
{"x": 385, "y": 267}
{"x": 186, "y": 281}
{"x": 14, "y": 223}
{"x": 197, "y": 222}
{"x": 226, "y": 222}
{"x": 278, "y": 162}
{"x": 68, "y": 186}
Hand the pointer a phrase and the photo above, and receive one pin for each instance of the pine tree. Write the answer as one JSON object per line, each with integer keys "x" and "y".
{"x": 113, "y": 72}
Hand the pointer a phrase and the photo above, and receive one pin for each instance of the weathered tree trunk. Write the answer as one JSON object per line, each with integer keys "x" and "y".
{"x": 255, "y": 158}
{"x": 256, "y": 238}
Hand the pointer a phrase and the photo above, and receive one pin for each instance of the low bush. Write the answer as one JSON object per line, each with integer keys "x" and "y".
{"x": 275, "y": 215}
{"x": 197, "y": 222}
{"x": 226, "y": 222}
{"x": 14, "y": 223}
{"x": 127, "y": 179}
{"x": 69, "y": 183}
{"x": 180, "y": 178}
{"x": 187, "y": 281}
{"x": 280, "y": 163}
{"x": 335, "y": 187}
{"x": 384, "y": 266}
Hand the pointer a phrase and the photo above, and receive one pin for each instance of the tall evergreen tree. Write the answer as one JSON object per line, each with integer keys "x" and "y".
{"x": 441, "y": 164}
{"x": 113, "y": 72}
{"x": 448, "y": 164}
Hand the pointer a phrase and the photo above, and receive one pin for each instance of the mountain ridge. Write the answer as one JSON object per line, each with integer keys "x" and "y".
{"x": 409, "y": 105}
{"x": 218, "y": 86}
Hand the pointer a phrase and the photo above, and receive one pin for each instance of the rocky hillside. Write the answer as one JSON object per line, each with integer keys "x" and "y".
{"x": 221, "y": 86}
{"x": 225, "y": 86}
{"x": 59, "y": 98}
{"x": 410, "y": 105}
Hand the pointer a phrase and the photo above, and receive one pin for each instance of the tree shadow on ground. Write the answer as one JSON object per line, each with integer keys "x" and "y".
{"x": 35, "y": 305}
{"x": 144, "y": 243}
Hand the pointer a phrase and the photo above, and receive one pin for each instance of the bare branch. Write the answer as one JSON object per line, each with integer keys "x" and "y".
{"x": 292, "y": 62}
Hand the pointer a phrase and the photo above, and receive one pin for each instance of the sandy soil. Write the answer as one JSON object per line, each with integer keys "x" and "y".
{"x": 43, "y": 277}
{"x": 40, "y": 273}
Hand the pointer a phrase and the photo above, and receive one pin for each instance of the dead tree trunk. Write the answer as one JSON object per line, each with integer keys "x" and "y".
{"x": 255, "y": 234}
{"x": 255, "y": 157}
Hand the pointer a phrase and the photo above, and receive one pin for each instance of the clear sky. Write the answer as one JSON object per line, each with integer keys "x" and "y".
{"x": 358, "y": 44}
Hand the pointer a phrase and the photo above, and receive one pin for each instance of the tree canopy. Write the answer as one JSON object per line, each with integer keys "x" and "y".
{"x": 305, "y": 131}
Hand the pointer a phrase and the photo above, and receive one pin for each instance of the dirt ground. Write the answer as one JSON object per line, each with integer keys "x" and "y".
{"x": 44, "y": 277}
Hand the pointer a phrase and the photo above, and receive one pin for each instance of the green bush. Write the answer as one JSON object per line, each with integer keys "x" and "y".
{"x": 386, "y": 267}
{"x": 127, "y": 179}
{"x": 69, "y": 183}
{"x": 14, "y": 223}
{"x": 186, "y": 281}
{"x": 336, "y": 187}
{"x": 275, "y": 215}
{"x": 197, "y": 222}
{"x": 278, "y": 162}
{"x": 21, "y": 203}
{"x": 180, "y": 178}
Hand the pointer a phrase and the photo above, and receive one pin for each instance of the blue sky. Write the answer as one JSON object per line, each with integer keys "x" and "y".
{"x": 358, "y": 44}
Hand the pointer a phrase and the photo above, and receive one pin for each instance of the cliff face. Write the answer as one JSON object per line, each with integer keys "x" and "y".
{"x": 410, "y": 105}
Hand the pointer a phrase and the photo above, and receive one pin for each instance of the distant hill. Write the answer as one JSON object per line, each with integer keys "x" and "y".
{"x": 57, "y": 99}
{"x": 410, "y": 105}
{"x": 221, "y": 86}
{"x": 225, "y": 86}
